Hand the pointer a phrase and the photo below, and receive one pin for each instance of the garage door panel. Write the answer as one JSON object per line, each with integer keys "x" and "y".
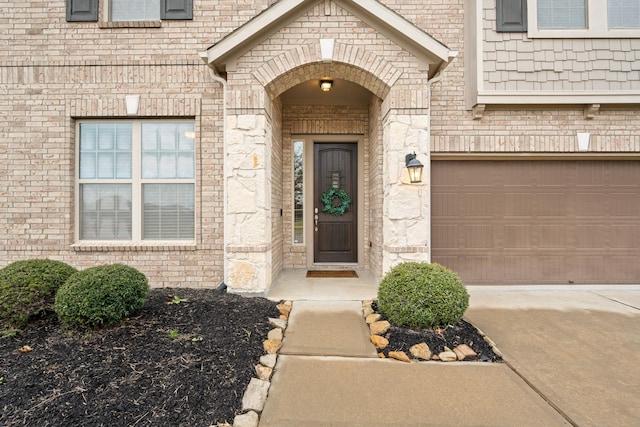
{"x": 591, "y": 236}
{"x": 624, "y": 237}
{"x": 548, "y": 175}
{"x": 537, "y": 221}
{"x": 623, "y": 205}
{"x": 590, "y": 174}
{"x": 518, "y": 267}
{"x": 552, "y": 236}
{"x": 444, "y": 205}
{"x": 445, "y": 236}
{"x": 478, "y": 204}
{"x": 517, "y": 236}
{"x": 478, "y": 236}
{"x": 518, "y": 205}
{"x": 552, "y": 269}
{"x": 550, "y": 205}
{"x": 591, "y": 205}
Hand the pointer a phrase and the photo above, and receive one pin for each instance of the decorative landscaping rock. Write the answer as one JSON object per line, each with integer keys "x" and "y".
{"x": 275, "y": 334}
{"x": 269, "y": 360}
{"x": 263, "y": 372}
{"x": 421, "y": 351}
{"x": 448, "y": 356}
{"x": 272, "y": 346}
{"x": 380, "y": 342}
{"x": 256, "y": 395}
{"x": 250, "y": 419}
{"x": 379, "y": 327}
{"x": 278, "y": 323}
{"x": 399, "y": 355}
{"x": 284, "y": 309}
{"x": 464, "y": 352}
{"x": 374, "y": 317}
{"x": 367, "y": 310}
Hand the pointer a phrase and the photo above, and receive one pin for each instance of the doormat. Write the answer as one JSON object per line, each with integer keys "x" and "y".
{"x": 331, "y": 274}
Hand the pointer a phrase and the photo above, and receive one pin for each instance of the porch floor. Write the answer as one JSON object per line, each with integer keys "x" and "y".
{"x": 295, "y": 286}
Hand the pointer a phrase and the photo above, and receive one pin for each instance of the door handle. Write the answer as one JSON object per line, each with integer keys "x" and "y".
{"x": 315, "y": 218}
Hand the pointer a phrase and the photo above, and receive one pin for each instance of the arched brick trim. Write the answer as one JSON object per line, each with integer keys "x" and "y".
{"x": 349, "y": 62}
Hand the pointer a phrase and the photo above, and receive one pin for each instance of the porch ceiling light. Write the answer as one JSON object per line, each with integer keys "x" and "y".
{"x": 414, "y": 167}
{"x": 326, "y": 85}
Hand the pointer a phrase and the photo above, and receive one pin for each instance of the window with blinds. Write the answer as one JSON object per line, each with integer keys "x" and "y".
{"x": 553, "y": 14}
{"x": 623, "y": 13}
{"x": 136, "y": 180}
{"x": 138, "y": 10}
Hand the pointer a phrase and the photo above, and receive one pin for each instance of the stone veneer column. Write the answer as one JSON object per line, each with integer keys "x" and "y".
{"x": 248, "y": 208}
{"x": 406, "y": 218}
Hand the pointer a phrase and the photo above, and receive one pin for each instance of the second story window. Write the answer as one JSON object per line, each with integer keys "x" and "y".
{"x": 623, "y": 13}
{"x": 139, "y": 10}
{"x": 564, "y": 19}
{"x": 555, "y": 14}
{"x": 129, "y": 10}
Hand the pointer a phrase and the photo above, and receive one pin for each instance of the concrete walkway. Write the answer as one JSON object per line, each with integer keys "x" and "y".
{"x": 571, "y": 361}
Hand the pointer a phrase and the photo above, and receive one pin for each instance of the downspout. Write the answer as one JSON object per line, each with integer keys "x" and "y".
{"x": 435, "y": 79}
{"x": 223, "y": 82}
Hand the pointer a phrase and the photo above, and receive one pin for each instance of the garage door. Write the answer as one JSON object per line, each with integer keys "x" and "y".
{"x": 537, "y": 222}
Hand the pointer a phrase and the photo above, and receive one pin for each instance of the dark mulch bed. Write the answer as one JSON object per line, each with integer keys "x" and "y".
{"x": 402, "y": 339}
{"x": 185, "y": 364}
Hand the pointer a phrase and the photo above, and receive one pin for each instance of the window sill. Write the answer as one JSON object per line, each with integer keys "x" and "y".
{"x": 130, "y": 24}
{"x": 128, "y": 246}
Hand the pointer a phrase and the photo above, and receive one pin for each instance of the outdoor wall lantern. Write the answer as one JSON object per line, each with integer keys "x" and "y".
{"x": 326, "y": 85}
{"x": 414, "y": 167}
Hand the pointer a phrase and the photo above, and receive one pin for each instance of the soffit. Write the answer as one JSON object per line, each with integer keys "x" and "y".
{"x": 426, "y": 48}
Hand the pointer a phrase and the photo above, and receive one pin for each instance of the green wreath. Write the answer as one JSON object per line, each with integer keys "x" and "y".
{"x": 330, "y": 195}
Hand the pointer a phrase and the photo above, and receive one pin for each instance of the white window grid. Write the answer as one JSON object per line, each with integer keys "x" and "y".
{"x": 136, "y": 181}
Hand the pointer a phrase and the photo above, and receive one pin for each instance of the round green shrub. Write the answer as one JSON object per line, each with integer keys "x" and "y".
{"x": 100, "y": 296}
{"x": 27, "y": 288}
{"x": 417, "y": 294}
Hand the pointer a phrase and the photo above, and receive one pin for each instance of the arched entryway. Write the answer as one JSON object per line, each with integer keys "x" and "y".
{"x": 262, "y": 67}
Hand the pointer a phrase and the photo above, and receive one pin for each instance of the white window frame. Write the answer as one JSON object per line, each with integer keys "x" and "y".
{"x": 137, "y": 182}
{"x": 597, "y": 24}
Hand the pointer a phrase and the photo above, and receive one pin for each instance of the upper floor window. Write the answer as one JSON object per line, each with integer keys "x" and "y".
{"x": 139, "y": 10}
{"x": 129, "y": 10}
{"x": 581, "y": 18}
{"x": 623, "y": 13}
{"x": 555, "y": 14}
{"x": 136, "y": 180}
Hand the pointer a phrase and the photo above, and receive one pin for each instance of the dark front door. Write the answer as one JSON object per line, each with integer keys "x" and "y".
{"x": 335, "y": 233}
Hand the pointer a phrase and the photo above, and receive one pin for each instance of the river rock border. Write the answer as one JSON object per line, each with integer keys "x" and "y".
{"x": 255, "y": 396}
{"x": 418, "y": 352}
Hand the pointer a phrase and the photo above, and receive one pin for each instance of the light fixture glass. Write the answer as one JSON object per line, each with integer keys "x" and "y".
{"x": 414, "y": 167}
{"x": 326, "y": 85}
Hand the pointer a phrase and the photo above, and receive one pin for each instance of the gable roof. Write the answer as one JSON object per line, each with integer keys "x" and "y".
{"x": 281, "y": 13}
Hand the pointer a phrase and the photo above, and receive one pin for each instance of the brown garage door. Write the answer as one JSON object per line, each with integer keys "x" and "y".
{"x": 537, "y": 222}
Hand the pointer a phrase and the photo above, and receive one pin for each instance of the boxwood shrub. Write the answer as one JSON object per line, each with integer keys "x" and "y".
{"x": 100, "y": 296}
{"x": 417, "y": 294}
{"x": 27, "y": 288}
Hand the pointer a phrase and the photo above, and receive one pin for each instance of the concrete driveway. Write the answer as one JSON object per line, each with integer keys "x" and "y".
{"x": 577, "y": 347}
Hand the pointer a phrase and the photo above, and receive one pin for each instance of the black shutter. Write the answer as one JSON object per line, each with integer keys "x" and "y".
{"x": 176, "y": 9}
{"x": 512, "y": 15}
{"x": 82, "y": 10}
